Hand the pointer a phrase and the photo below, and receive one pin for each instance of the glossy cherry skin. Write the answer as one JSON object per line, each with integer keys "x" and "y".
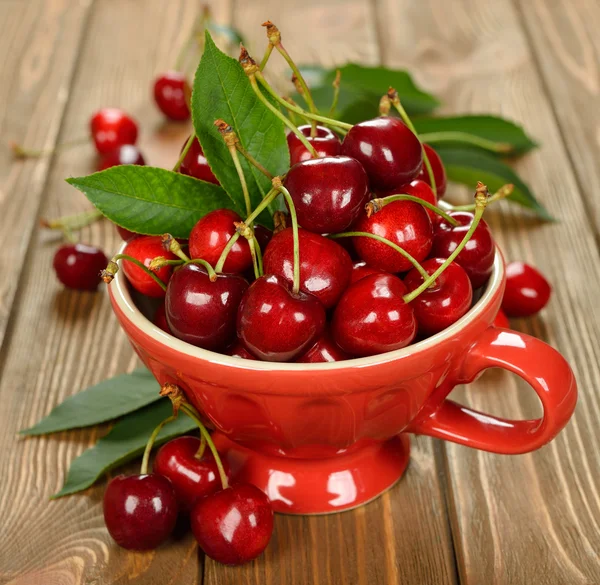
{"x": 171, "y": 92}
{"x": 234, "y": 525}
{"x": 324, "y": 350}
{"x": 328, "y": 193}
{"x": 239, "y": 351}
{"x": 202, "y": 312}
{"x": 160, "y": 319}
{"x": 326, "y": 143}
{"x": 439, "y": 171}
{"x": 195, "y": 164}
{"x": 325, "y": 267}
{"x": 404, "y": 223}
{"x": 210, "y": 236}
{"x": 112, "y": 128}
{"x": 372, "y": 317}
{"x": 444, "y": 303}
{"x": 78, "y": 266}
{"x": 140, "y": 511}
{"x": 128, "y": 154}
{"x": 125, "y": 234}
{"x": 192, "y": 478}
{"x": 501, "y": 320}
{"x": 477, "y": 257}
{"x": 145, "y": 249}
{"x": 418, "y": 189}
{"x": 360, "y": 269}
{"x": 386, "y": 148}
{"x": 527, "y": 290}
{"x": 275, "y": 324}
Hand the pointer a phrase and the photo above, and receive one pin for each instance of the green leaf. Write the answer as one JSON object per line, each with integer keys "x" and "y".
{"x": 442, "y": 131}
{"x": 222, "y": 90}
{"x": 469, "y": 166}
{"x": 105, "y": 401}
{"x": 149, "y": 200}
{"x": 124, "y": 442}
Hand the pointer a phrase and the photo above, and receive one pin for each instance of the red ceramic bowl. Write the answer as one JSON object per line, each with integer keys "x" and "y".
{"x": 320, "y": 438}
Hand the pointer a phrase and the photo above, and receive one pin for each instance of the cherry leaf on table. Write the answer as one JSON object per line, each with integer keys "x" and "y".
{"x": 124, "y": 442}
{"x": 102, "y": 402}
{"x": 222, "y": 91}
{"x": 468, "y": 166}
{"x": 149, "y": 200}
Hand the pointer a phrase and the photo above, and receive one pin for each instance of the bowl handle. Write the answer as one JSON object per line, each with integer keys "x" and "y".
{"x": 538, "y": 364}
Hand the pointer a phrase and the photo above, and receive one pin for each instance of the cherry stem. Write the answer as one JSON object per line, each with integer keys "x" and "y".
{"x": 212, "y": 275}
{"x": 184, "y": 152}
{"x": 200, "y": 453}
{"x": 238, "y": 167}
{"x": 336, "y": 92}
{"x": 395, "y": 100}
{"x": 481, "y": 200}
{"x": 253, "y": 161}
{"x": 113, "y": 267}
{"x": 193, "y": 414}
{"x": 294, "y": 218}
{"x": 375, "y": 205}
{"x": 68, "y": 223}
{"x": 160, "y": 261}
{"x": 170, "y": 244}
{"x": 293, "y": 116}
{"x": 199, "y": 25}
{"x": 150, "y": 443}
{"x": 502, "y": 193}
{"x": 466, "y": 138}
{"x": 258, "y": 256}
{"x": 266, "y": 57}
{"x": 22, "y": 152}
{"x": 251, "y": 245}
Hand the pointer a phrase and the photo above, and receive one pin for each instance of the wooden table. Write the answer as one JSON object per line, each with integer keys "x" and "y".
{"x": 458, "y": 516}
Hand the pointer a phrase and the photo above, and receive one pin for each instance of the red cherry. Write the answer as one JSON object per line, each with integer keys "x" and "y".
{"x": 477, "y": 257}
{"x": 171, "y": 92}
{"x": 324, "y": 350}
{"x": 275, "y": 324}
{"x": 387, "y": 149}
{"x": 112, "y": 128}
{"x": 234, "y": 525}
{"x": 160, "y": 319}
{"x": 418, "y": 189}
{"x": 360, "y": 269}
{"x": 195, "y": 164}
{"x": 128, "y": 154}
{"x": 78, "y": 266}
{"x": 326, "y": 143}
{"x": 328, "y": 193}
{"x": 527, "y": 291}
{"x": 192, "y": 478}
{"x": 501, "y": 320}
{"x": 239, "y": 351}
{"x": 325, "y": 267}
{"x": 210, "y": 236}
{"x": 372, "y": 317}
{"x": 263, "y": 236}
{"x": 439, "y": 172}
{"x": 140, "y": 511}
{"x": 444, "y": 303}
{"x": 145, "y": 249}
{"x": 404, "y": 223}
{"x": 125, "y": 234}
{"x": 202, "y": 312}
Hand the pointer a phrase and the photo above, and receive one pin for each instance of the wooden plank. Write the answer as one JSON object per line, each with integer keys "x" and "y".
{"x": 402, "y": 537}
{"x": 533, "y": 518}
{"x": 62, "y": 340}
{"x": 565, "y": 42}
{"x": 38, "y": 41}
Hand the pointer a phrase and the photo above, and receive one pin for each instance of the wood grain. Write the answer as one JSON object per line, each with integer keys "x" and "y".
{"x": 533, "y": 518}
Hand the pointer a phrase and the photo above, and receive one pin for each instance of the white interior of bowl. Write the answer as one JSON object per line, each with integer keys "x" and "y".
{"x": 123, "y": 299}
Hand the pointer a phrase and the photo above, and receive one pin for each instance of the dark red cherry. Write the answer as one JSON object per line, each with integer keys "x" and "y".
{"x": 210, "y": 236}
{"x": 328, "y": 193}
{"x": 112, "y": 128}
{"x": 405, "y": 224}
{"x": 128, "y": 154}
{"x": 372, "y": 317}
{"x": 125, "y": 234}
{"x": 325, "y": 267}
{"x": 275, "y": 324}
{"x": 140, "y": 511}
{"x": 444, "y": 303}
{"x": 234, "y": 525}
{"x": 439, "y": 172}
{"x": 192, "y": 478}
{"x": 324, "y": 350}
{"x": 239, "y": 351}
{"x": 202, "y": 312}
{"x": 171, "y": 94}
{"x": 78, "y": 266}
{"x": 527, "y": 291}
{"x": 145, "y": 249}
{"x": 418, "y": 189}
{"x": 501, "y": 320}
{"x": 477, "y": 257}
{"x": 387, "y": 149}
{"x": 360, "y": 269}
{"x": 326, "y": 143}
{"x": 160, "y": 319}
{"x": 263, "y": 236}
{"x": 195, "y": 164}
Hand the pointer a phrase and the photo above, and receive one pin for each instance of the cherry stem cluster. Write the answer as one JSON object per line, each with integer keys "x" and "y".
{"x": 184, "y": 152}
{"x": 375, "y": 205}
{"x": 112, "y": 268}
{"x": 150, "y": 443}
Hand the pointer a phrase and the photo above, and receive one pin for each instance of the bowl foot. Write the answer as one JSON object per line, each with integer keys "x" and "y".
{"x": 319, "y": 486}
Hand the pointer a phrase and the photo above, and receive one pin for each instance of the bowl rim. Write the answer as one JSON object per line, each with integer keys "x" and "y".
{"x": 120, "y": 295}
